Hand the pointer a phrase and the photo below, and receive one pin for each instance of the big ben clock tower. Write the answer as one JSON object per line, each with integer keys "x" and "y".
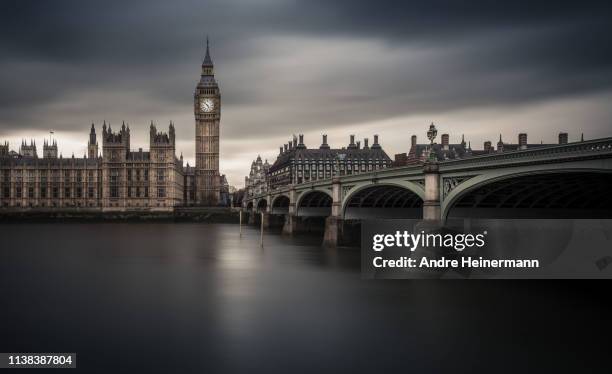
{"x": 207, "y": 109}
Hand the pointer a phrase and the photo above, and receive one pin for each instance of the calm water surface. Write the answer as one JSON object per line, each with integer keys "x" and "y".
{"x": 198, "y": 298}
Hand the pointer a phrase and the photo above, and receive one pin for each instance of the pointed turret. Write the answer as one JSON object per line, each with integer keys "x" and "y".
{"x": 207, "y": 64}
{"x": 92, "y": 146}
{"x": 92, "y": 135}
{"x": 171, "y": 133}
{"x": 207, "y": 59}
{"x": 500, "y": 144}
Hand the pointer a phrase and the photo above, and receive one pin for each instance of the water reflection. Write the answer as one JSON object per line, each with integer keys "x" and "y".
{"x": 193, "y": 297}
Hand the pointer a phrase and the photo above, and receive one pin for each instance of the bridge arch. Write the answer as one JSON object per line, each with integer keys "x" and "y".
{"x": 280, "y": 204}
{"x": 383, "y": 200}
{"x": 545, "y": 193}
{"x": 314, "y": 203}
{"x": 262, "y": 204}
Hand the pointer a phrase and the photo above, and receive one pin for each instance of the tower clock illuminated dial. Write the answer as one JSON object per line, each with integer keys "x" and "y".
{"x": 207, "y": 105}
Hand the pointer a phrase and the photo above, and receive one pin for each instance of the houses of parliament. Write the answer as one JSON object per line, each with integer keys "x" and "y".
{"x": 119, "y": 178}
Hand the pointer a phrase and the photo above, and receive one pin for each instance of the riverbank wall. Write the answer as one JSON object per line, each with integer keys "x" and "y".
{"x": 190, "y": 214}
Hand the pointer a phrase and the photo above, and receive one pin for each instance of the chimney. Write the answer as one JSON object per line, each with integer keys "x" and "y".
{"x": 562, "y": 138}
{"x": 413, "y": 141}
{"x": 286, "y": 147}
{"x": 301, "y": 139}
{"x": 487, "y": 146}
{"x": 375, "y": 145}
{"x": 281, "y": 150}
{"x": 365, "y": 143}
{"x": 445, "y": 142}
{"x": 352, "y": 144}
{"x": 522, "y": 139}
{"x": 358, "y": 144}
{"x": 324, "y": 144}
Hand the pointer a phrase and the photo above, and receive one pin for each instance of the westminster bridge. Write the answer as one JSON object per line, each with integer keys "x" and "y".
{"x": 570, "y": 180}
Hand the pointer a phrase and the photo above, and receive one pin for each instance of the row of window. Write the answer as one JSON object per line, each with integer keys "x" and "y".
{"x": 77, "y": 193}
{"x": 136, "y": 175}
{"x": 45, "y": 193}
{"x": 53, "y": 204}
{"x": 31, "y": 176}
{"x": 136, "y": 192}
{"x": 355, "y": 167}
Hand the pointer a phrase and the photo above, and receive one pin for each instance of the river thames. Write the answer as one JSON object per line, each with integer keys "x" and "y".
{"x": 156, "y": 297}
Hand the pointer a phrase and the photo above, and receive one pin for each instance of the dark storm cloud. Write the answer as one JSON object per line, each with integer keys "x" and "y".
{"x": 105, "y": 38}
{"x": 288, "y": 66}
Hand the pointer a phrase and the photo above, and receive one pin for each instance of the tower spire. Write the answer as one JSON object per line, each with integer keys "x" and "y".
{"x": 207, "y": 59}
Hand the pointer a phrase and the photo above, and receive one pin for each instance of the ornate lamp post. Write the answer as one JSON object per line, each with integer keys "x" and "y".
{"x": 431, "y": 203}
{"x": 337, "y": 158}
{"x": 431, "y": 135}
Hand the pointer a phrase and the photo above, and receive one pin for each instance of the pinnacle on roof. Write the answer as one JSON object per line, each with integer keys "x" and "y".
{"x": 207, "y": 59}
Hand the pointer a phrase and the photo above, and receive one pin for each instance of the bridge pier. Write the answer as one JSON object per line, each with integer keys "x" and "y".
{"x": 251, "y": 220}
{"x": 334, "y": 232}
{"x": 334, "y": 224}
{"x": 431, "y": 204}
{"x": 290, "y": 226}
{"x": 265, "y": 217}
{"x": 293, "y": 225}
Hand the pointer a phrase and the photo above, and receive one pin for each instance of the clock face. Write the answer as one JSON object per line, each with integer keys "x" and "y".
{"x": 207, "y": 105}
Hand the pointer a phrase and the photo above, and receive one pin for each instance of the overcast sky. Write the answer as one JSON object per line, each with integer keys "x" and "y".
{"x": 317, "y": 66}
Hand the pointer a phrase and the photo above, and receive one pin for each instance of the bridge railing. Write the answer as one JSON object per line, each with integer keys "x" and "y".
{"x": 590, "y": 148}
{"x": 374, "y": 174}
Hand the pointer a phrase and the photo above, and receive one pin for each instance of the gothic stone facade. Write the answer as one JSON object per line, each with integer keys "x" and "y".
{"x": 207, "y": 110}
{"x": 120, "y": 179}
{"x": 256, "y": 183}
{"x": 117, "y": 180}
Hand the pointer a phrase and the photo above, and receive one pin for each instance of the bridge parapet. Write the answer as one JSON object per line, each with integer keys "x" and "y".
{"x": 556, "y": 153}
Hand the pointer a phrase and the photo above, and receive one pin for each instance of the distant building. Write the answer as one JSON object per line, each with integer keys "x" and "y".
{"x": 445, "y": 150}
{"x": 257, "y": 183}
{"x": 189, "y": 196}
{"x": 298, "y": 164}
{"x": 224, "y": 192}
{"x": 237, "y": 197}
